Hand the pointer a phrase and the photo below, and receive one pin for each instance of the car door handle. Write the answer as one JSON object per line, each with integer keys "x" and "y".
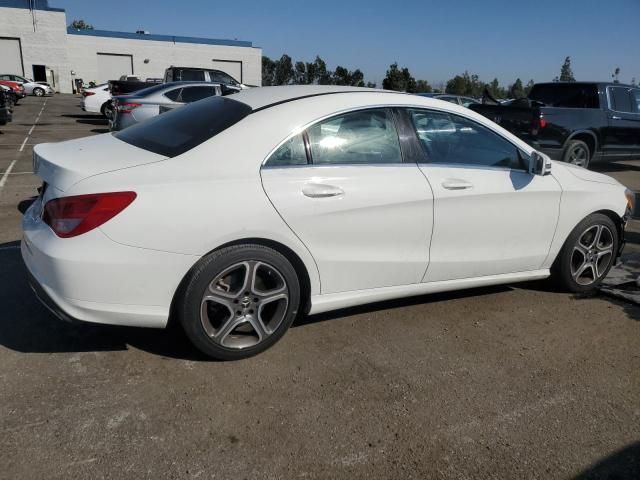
{"x": 456, "y": 184}
{"x": 320, "y": 190}
{"x": 615, "y": 117}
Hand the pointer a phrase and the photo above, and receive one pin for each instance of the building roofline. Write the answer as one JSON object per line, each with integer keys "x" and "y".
{"x": 159, "y": 38}
{"x": 42, "y": 5}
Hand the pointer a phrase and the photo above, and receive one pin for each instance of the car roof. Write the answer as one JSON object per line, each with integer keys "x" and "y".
{"x": 263, "y": 97}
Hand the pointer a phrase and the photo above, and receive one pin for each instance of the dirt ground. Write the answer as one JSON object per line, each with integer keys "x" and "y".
{"x": 506, "y": 382}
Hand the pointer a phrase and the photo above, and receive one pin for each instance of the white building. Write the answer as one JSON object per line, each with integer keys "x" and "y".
{"x": 36, "y": 43}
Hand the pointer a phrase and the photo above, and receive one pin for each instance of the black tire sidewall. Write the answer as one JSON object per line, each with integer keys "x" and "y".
{"x": 562, "y": 266}
{"x": 571, "y": 146}
{"x": 206, "y": 270}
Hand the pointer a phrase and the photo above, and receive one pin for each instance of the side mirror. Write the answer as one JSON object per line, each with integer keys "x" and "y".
{"x": 539, "y": 163}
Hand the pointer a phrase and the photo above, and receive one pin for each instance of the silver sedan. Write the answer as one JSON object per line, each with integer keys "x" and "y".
{"x": 152, "y": 101}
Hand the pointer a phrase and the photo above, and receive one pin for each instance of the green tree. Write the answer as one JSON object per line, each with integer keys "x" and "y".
{"x": 81, "y": 25}
{"x": 566, "y": 74}
{"x": 399, "y": 80}
{"x": 268, "y": 71}
{"x": 300, "y": 73}
{"x": 284, "y": 73}
{"x": 456, "y": 86}
{"x": 517, "y": 89}
{"x": 323, "y": 76}
{"x": 422, "y": 86}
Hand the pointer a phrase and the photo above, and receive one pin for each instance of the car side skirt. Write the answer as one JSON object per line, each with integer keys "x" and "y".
{"x": 336, "y": 301}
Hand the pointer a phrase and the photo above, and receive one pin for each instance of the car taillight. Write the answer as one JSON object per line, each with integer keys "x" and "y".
{"x": 127, "y": 107}
{"x": 75, "y": 215}
{"x": 88, "y": 94}
{"x": 542, "y": 123}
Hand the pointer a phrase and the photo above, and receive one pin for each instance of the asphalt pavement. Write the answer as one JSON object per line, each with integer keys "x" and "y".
{"x": 497, "y": 383}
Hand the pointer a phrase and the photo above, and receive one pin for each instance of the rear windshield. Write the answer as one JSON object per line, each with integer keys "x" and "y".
{"x": 575, "y": 95}
{"x": 177, "y": 131}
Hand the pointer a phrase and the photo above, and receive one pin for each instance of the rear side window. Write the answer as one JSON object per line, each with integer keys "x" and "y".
{"x": 192, "y": 76}
{"x": 193, "y": 94}
{"x": 173, "y": 94}
{"x": 364, "y": 137}
{"x": 574, "y": 95}
{"x": 291, "y": 152}
{"x": 620, "y": 98}
{"x": 178, "y": 131}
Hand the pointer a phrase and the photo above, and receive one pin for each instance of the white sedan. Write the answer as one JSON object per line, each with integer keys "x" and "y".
{"x": 97, "y": 100}
{"x": 235, "y": 214}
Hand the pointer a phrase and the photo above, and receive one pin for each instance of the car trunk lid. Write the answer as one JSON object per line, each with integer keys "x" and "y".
{"x": 64, "y": 164}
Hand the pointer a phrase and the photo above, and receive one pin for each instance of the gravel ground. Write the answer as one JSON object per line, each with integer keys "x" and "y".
{"x": 506, "y": 382}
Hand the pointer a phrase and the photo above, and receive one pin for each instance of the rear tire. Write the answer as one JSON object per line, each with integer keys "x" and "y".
{"x": 577, "y": 153}
{"x": 239, "y": 301}
{"x": 587, "y": 255}
{"x": 107, "y": 110}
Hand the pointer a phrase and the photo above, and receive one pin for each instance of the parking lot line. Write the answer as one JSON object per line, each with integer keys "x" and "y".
{"x": 5, "y": 175}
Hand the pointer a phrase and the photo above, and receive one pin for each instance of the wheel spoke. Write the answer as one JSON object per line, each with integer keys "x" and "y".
{"x": 259, "y": 327}
{"x": 224, "y": 331}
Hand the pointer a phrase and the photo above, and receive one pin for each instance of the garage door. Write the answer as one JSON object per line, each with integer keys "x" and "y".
{"x": 112, "y": 66}
{"x": 232, "y": 68}
{"x": 10, "y": 58}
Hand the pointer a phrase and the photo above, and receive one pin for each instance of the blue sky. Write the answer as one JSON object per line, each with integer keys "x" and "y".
{"x": 435, "y": 39}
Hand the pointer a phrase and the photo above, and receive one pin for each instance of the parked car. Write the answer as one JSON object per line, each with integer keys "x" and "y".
{"x": 152, "y": 101}
{"x": 237, "y": 213}
{"x": 126, "y": 87}
{"x": 191, "y": 74}
{"x": 97, "y": 100}
{"x": 577, "y": 122}
{"x": 457, "y": 99}
{"x": 5, "y": 106}
{"x": 16, "y": 90}
{"x": 39, "y": 89}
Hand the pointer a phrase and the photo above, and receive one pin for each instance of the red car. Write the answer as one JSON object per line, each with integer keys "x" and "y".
{"x": 16, "y": 88}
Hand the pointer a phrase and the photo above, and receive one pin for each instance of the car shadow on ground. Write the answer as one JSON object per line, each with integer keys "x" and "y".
{"x": 27, "y": 326}
{"x": 621, "y": 465}
{"x": 88, "y": 119}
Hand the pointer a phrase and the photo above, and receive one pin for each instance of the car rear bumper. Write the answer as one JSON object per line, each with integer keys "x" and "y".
{"x": 91, "y": 278}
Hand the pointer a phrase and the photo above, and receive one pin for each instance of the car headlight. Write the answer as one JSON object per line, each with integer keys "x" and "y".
{"x": 631, "y": 200}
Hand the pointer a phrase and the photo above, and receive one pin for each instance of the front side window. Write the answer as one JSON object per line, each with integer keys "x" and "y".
{"x": 292, "y": 152}
{"x": 620, "y": 98}
{"x": 193, "y": 94}
{"x": 455, "y": 140}
{"x": 222, "y": 77}
{"x": 635, "y": 94}
{"x": 363, "y": 137}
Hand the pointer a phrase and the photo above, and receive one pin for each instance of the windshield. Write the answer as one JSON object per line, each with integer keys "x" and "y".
{"x": 173, "y": 133}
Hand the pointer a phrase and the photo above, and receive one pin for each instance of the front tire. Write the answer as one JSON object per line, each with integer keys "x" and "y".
{"x": 239, "y": 301}
{"x": 38, "y": 92}
{"x": 587, "y": 255}
{"x": 577, "y": 153}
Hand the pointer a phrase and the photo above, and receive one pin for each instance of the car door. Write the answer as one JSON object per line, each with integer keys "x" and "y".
{"x": 491, "y": 216}
{"x": 622, "y": 137}
{"x": 343, "y": 188}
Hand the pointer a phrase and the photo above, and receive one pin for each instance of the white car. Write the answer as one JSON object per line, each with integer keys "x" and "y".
{"x": 97, "y": 100}
{"x": 235, "y": 214}
{"x": 39, "y": 89}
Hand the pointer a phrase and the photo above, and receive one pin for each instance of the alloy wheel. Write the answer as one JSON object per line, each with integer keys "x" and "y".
{"x": 38, "y": 92}
{"x": 592, "y": 254}
{"x": 579, "y": 156}
{"x": 244, "y": 304}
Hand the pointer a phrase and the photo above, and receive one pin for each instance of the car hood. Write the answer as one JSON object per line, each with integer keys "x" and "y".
{"x": 66, "y": 163}
{"x": 586, "y": 175}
